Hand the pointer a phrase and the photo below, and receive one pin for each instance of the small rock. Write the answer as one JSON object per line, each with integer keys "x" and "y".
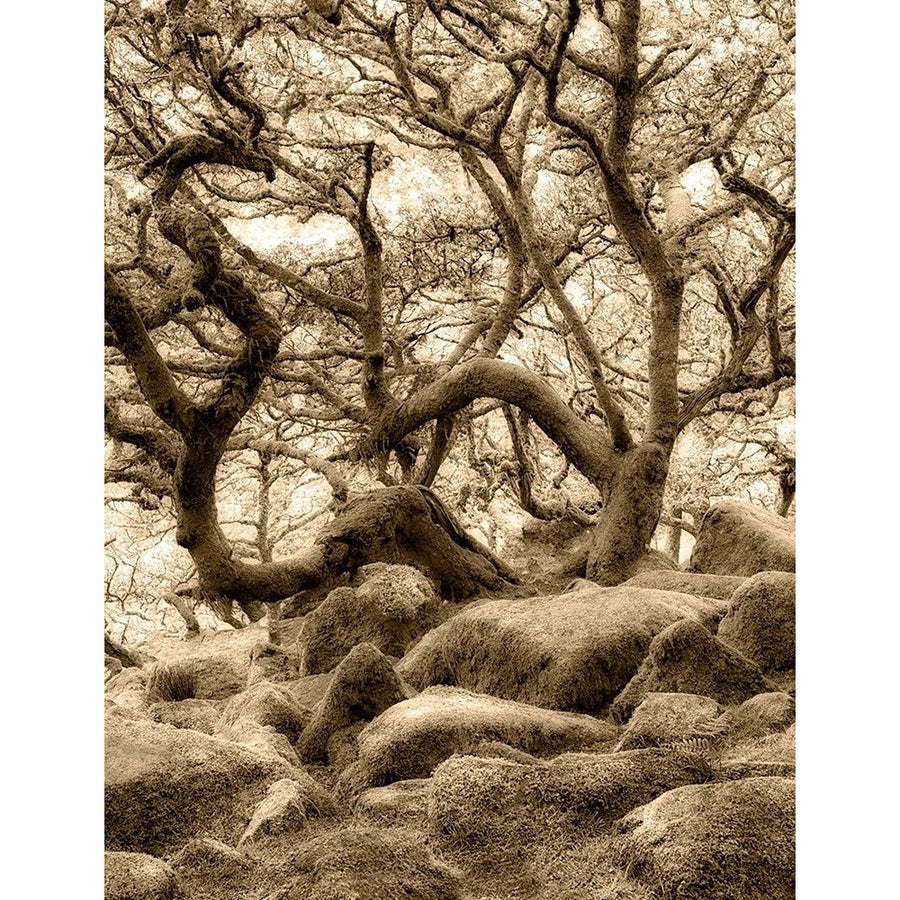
{"x": 269, "y": 662}
{"x": 290, "y": 803}
{"x": 201, "y": 715}
{"x": 662, "y": 719}
{"x": 400, "y": 803}
{"x": 137, "y": 876}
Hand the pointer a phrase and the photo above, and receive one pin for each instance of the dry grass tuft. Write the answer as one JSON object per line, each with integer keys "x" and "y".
{"x": 171, "y": 682}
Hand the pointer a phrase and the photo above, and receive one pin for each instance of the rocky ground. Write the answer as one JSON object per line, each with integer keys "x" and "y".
{"x": 627, "y": 743}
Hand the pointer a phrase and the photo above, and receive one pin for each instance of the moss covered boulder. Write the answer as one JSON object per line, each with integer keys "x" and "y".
{"x": 202, "y": 856}
{"x": 729, "y": 841}
{"x": 663, "y": 719}
{"x": 761, "y": 621}
{"x": 219, "y": 662}
{"x": 289, "y": 804}
{"x": 390, "y": 609}
{"x": 398, "y": 803}
{"x": 743, "y": 539}
{"x": 128, "y": 689}
{"x": 574, "y": 651}
{"x": 474, "y": 800}
{"x": 165, "y": 785}
{"x": 361, "y": 862}
{"x": 686, "y": 658}
{"x": 363, "y": 686}
{"x": 212, "y": 870}
{"x": 265, "y": 704}
{"x": 763, "y": 714}
{"x": 700, "y": 584}
{"x": 412, "y": 737}
{"x": 769, "y": 754}
{"x": 137, "y": 876}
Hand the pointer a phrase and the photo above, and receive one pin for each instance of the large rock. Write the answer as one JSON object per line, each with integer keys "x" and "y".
{"x": 476, "y": 800}
{"x": 137, "y": 876}
{"x": 666, "y": 719}
{"x": 685, "y": 658}
{"x": 761, "y": 622}
{"x": 574, "y": 651}
{"x": 392, "y": 608}
{"x": 364, "y": 685}
{"x": 411, "y": 738}
{"x": 362, "y": 862}
{"x": 701, "y": 585}
{"x": 730, "y": 841}
{"x": 743, "y": 539}
{"x": 165, "y": 785}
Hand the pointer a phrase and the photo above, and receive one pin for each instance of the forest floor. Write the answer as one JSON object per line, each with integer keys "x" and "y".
{"x": 555, "y": 740}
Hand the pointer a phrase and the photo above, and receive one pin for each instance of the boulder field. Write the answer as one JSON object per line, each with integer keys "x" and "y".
{"x": 634, "y": 742}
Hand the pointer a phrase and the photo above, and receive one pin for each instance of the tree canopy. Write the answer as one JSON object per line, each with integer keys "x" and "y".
{"x": 472, "y": 245}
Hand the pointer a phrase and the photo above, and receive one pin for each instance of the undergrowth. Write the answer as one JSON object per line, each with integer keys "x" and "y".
{"x": 171, "y": 682}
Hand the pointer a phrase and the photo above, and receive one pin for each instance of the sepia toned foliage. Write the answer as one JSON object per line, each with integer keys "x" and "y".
{"x": 542, "y": 250}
